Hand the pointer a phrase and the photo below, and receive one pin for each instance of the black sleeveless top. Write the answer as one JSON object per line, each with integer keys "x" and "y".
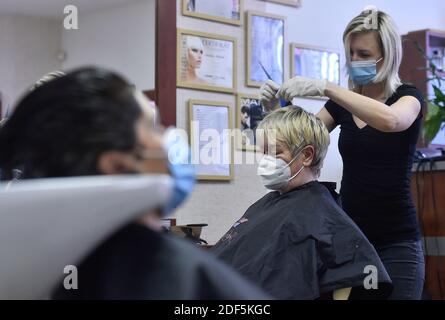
{"x": 375, "y": 188}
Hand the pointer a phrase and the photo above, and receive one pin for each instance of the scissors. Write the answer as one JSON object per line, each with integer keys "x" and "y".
{"x": 283, "y": 102}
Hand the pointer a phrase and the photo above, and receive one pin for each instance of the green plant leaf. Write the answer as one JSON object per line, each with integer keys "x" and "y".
{"x": 435, "y": 117}
{"x": 439, "y": 94}
{"x": 439, "y": 99}
{"x": 432, "y": 127}
{"x": 433, "y": 110}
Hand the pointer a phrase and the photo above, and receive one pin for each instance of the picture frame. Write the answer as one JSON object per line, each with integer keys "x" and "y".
{"x": 206, "y": 61}
{"x": 315, "y": 62}
{"x": 211, "y": 145}
{"x": 292, "y": 3}
{"x": 249, "y": 113}
{"x": 224, "y": 11}
{"x": 265, "y": 35}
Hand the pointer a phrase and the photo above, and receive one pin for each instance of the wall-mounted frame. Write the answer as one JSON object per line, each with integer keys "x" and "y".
{"x": 206, "y": 61}
{"x": 265, "y": 48}
{"x": 249, "y": 113}
{"x": 225, "y": 11}
{"x": 293, "y": 3}
{"x": 315, "y": 62}
{"x": 210, "y": 139}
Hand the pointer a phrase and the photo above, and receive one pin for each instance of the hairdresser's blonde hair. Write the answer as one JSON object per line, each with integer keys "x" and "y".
{"x": 390, "y": 45}
{"x": 297, "y": 128}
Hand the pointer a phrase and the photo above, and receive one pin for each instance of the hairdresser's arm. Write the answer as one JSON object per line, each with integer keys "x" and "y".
{"x": 399, "y": 117}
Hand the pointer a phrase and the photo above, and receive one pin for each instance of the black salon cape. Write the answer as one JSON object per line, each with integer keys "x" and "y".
{"x": 138, "y": 263}
{"x": 302, "y": 245}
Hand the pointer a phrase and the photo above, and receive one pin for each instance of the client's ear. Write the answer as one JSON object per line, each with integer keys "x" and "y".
{"x": 309, "y": 154}
{"x": 116, "y": 162}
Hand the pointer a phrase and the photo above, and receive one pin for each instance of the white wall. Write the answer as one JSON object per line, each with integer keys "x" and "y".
{"x": 121, "y": 38}
{"x": 28, "y": 50}
{"x": 317, "y": 22}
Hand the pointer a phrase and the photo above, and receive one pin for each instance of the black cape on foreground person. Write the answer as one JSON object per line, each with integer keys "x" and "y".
{"x": 139, "y": 263}
{"x": 302, "y": 245}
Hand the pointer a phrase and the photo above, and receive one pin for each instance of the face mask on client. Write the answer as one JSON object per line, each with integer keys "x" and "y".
{"x": 276, "y": 173}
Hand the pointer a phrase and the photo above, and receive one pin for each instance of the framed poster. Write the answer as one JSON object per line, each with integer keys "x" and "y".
{"x": 293, "y": 3}
{"x": 210, "y": 139}
{"x": 226, "y": 11}
{"x": 206, "y": 61}
{"x": 315, "y": 62}
{"x": 265, "y": 48}
{"x": 249, "y": 113}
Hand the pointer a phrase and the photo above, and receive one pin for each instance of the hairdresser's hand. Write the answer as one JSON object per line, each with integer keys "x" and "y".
{"x": 302, "y": 87}
{"x": 268, "y": 97}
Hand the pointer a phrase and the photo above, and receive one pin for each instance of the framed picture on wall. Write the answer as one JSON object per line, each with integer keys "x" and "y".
{"x": 265, "y": 48}
{"x": 206, "y": 61}
{"x": 210, "y": 139}
{"x": 226, "y": 11}
{"x": 249, "y": 114}
{"x": 293, "y": 3}
{"x": 315, "y": 62}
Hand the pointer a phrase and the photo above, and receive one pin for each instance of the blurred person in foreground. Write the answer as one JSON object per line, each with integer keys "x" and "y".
{"x": 93, "y": 122}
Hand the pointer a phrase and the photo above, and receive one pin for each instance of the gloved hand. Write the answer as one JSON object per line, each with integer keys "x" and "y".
{"x": 301, "y": 87}
{"x": 268, "y": 93}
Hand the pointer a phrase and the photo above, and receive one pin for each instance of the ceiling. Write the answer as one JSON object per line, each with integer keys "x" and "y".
{"x": 53, "y": 8}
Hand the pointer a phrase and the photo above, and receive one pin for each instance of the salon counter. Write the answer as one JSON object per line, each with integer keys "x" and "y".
{"x": 437, "y": 166}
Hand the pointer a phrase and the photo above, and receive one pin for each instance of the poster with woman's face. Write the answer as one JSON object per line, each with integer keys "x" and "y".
{"x": 266, "y": 49}
{"x": 249, "y": 115}
{"x": 206, "y": 63}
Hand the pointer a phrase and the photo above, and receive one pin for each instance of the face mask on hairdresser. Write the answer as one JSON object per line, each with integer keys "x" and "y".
{"x": 276, "y": 173}
{"x": 363, "y": 72}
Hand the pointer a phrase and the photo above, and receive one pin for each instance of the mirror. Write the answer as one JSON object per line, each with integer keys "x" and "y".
{"x": 37, "y": 37}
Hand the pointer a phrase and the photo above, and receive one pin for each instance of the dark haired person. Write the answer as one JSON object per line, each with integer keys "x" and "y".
{"x": 93, "y": 122}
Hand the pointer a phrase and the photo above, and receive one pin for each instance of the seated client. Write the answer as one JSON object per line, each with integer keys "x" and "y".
{"x": 296, "y": 242}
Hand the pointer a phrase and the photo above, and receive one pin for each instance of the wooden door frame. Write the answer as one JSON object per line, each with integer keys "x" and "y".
{"x": 165, "y": 82}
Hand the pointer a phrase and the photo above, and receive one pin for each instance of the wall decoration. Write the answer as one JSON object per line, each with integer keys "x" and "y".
{"x": 206, "y": 61}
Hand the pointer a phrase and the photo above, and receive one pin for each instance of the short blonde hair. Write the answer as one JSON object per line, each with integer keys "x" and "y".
{"x": 297, "y": 128}
{"x": 390, "y": 45}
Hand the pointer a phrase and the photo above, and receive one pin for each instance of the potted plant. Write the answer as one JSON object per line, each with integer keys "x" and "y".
{"x": 435, "y": 117}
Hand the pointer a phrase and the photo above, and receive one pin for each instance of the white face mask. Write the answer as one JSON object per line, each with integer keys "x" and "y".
{"x": 276, "y": 173}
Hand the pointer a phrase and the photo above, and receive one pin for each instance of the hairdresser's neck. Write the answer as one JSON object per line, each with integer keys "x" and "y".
{"x": 374, "y": 91}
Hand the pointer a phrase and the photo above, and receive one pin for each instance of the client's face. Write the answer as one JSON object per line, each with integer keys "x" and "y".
{"x": 284, "y": 153}
{"x": 281, "y": 151}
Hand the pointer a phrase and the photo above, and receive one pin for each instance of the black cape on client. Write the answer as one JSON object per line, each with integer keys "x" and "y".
{"x": 138, "y": 263}
{"x": 302, "y": 245}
